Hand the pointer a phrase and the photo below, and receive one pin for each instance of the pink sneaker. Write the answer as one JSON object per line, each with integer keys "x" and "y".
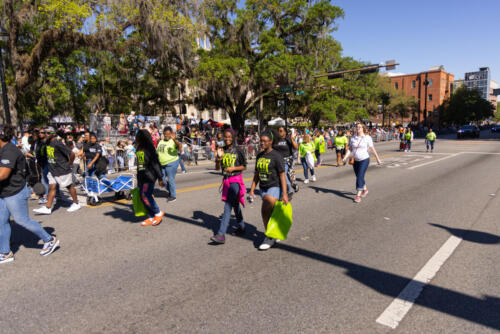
{"x": 357, "y": 199}
{"x": 364, "y": 193}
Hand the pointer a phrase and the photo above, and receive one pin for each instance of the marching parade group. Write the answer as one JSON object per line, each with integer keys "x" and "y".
{"x": 157, "y": 161}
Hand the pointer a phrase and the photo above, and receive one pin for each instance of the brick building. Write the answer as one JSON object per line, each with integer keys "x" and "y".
{"x": 430, "y": 88}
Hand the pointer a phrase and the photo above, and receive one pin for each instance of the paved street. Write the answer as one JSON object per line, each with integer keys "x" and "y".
{"x": 345, "y": 268}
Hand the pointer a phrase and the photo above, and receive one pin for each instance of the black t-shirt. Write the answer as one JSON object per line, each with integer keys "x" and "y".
{"x": 58, "y": 157}
{"x": 233, "y": 157}
{"x": 90, "y": 150}
{"x": 11, "y": 157}
{"x": 148, "y": 167}
{"x": 284, "y": 146}
{"x": 269, "y": 166}
{"x": 40, "y": 148}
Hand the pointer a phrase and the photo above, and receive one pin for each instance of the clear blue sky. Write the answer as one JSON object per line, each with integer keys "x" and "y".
{"x": 462, "y": 35}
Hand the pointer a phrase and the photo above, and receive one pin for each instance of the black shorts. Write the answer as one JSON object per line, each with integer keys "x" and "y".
{"x": 341, "y": 151}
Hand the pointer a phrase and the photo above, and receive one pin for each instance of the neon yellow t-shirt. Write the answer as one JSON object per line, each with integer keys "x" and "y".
{"x": 341, "y": 141}
{"x": 167, "y": 151}
{"x": 431, "y": 136}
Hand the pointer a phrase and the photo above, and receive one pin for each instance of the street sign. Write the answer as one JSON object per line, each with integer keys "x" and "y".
{"x": 286, "y": 89}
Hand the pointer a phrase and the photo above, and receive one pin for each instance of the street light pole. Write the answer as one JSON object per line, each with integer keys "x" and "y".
{"x": 3, "y": 37}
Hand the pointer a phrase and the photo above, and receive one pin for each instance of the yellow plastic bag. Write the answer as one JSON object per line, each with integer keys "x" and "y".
{"x": 139, "y": 208}
{"x": 280, "y": 222}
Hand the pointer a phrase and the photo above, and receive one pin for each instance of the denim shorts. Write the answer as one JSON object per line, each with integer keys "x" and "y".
{"x": 273, "y": 192}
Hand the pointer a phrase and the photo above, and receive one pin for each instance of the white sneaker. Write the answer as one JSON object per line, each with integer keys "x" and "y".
{"x": 313, "y": 178}
{"x": 42, "y": 200}
{"x": 43, "y": 211}
{"x": 306, "y": 181}
{"x": 268, "y": 243}
{"x": 74, "y": 207}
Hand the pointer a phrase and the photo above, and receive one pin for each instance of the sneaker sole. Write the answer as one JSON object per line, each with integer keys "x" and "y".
{"x": 7, "y": 260}
{"x": 52, "y": 250}
{"x": 73, "y": 210}
{"x": 217, "y": 241}
{"x": 172, "y": 201}
{"x": 43, "y": 213}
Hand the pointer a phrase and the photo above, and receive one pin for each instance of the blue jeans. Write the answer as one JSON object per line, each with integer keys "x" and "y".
{"x": 45, "y": 179}
{"x": 146, "y": 190}
{"x": 111, "y": 164}
{"x": 431, "y": 144}
{"x": 121, "y": 162}
{"x": 318, "y": 157}
{"x": 17, "y": 207}
{"x": 287, "y": 178}
{"x": 181, "y": 163}
{"x": 169, "y": 171}
{"x": 231, "y": 203}
{"x": 360, "y": 168}
{"x": 304, "y": 165}
{"x": 408, "y": 144}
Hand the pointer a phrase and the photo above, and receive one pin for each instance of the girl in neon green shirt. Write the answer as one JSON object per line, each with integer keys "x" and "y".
{"x": 307, "y": 146}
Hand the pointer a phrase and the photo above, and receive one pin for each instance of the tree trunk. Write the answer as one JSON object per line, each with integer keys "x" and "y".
{"x": 237, "y": 121}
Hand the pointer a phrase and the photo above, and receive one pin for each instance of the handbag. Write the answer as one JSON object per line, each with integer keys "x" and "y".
{"x": 139, "y": 208}
{"x": 351, "y": 159}
{"x": 280, "y": 222}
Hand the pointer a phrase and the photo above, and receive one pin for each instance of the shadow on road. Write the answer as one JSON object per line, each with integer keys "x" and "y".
{"x": 471, "y": 235}
{"x": 22, "y": 237}
{"x": 339, "y": 193}
{"x": 484, "y": 311}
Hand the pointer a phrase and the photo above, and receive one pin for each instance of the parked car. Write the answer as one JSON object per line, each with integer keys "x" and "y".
{"x": 495, "y": 128}
{"x": 470, "y": 131}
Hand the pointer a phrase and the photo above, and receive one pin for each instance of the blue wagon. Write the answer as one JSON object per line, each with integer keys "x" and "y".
{"x": 94, "y": 187}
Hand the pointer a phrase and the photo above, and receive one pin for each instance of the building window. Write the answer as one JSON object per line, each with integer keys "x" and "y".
{"x": 396, "y": 85}
{"x": 430, "y": 97}
{"x": 413, "y": 84}
{"x": 430, "y": 82}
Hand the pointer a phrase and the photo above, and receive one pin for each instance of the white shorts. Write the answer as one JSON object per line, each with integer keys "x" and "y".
{"x": 63, "y": 180}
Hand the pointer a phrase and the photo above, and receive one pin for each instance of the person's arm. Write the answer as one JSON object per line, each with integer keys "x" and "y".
{"x": 179, "y": 146}
{"x": 71, "y": 158}
{"x": 294, "y": 143}
{"x": 375, "y": 154}
{"x": 97, "y": 156}
{"x": 5, "y": 173}
{"x": 255, "y": 181}
{"x": 284, "y": 197}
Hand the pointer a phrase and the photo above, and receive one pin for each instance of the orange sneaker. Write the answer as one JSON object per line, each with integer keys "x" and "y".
{"x": 157, "y": 219}
{"x": 147, "y": 222}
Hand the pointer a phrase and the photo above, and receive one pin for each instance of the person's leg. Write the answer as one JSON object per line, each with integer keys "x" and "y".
{"x": 146, "y": 190}
{"x": 427, "y": 144}
{"x": 181, "y": 163}
{"x": 17, "y": 205}
{"x": 52, "y": 194}
{"x": 72, "y": 192}
{"x": 5, "y": 229}
{"x": 171, "y": 171}
{"x": 287, "y": 177}
{"x": 304, "y": 166}
{"x": 239, "y": 215}
{"x": 267, "y": 209}
{"x": 226, "y": 216}
{"x": 45, "y": 180}
{"x": 360, "y": 180}
{"x": 432, "y": 145}
{"x": 318, "y": 155}
{"x": 338, "y": 158}
{"x": 312, "y": 171}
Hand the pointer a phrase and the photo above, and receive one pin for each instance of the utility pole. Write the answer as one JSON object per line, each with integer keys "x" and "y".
{"x": 426, "y": 83}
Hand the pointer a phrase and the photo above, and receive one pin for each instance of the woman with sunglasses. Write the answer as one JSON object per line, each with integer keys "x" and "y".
{"x": 270, "y": 174}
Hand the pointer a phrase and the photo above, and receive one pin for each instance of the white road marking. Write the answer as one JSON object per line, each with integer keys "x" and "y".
{"x": 400, "y": 306}
{"x": 437, "y": 160}
{"x": 492, "y": 153}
